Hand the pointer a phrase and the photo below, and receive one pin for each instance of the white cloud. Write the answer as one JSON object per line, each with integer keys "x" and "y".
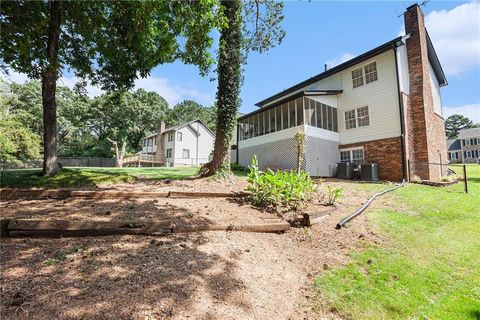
{"x": 456, "y": 37}
{"x": 340, "y": 59}
{"x": 171, "y": 92}
{"x": 471, "y": 111}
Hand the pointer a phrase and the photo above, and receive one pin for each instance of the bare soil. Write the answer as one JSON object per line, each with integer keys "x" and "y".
{"x": 209, "y": 275}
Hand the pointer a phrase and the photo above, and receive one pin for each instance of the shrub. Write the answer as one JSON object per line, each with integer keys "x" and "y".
{"x": 236, "y": 167}
{"x": 281, "y": 188}
{"x": 333, "y": 195}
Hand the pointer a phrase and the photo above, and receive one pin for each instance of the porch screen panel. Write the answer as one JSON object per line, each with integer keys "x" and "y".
{"x": 272, "y": 120}
{"x": 285, "y": 116}
{"x": 318, "y": 113}
{"x": 335, "y": 120}
{"x": 310, "y": 112}
{"x": 278, "y": 116}
{"x": 299, "y": 107}
{"x": 292, "y": 117}
{"x": 261, "y": 126}
{"x": 330, "y": 118}
{"x": 324, "y": 116}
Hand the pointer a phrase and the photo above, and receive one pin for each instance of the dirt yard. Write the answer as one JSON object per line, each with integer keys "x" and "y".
{"x": 209, "y": 275}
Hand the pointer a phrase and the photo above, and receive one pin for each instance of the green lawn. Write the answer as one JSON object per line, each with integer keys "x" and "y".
{"x": 77, "y": 177}
{"x": 430, "y": 267}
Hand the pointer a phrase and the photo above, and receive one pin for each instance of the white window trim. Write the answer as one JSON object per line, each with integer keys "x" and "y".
{"x": 356, "y": 118}
{"x": 351, "y": 152}
{"x": 179, "y": 134}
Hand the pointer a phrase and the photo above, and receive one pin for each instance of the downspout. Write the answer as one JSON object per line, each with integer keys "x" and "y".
{"x": 196, "y": 153}
{"x": 402, "y": 118}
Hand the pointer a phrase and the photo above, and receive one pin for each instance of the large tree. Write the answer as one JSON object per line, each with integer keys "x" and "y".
{"x": 252, "y": 26}
{"x": 109, "y": 42}
{"x": 455, "y": 123}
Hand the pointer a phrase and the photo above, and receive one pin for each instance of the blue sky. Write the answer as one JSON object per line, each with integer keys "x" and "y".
{"x": 332, "y": 32}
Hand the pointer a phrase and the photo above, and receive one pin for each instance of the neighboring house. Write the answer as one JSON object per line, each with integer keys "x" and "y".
{"x": 188, "y": 144}
{"x": 382, "y": 107}
{"x": 454, "y": 151}
{"x": 465, "y": 149}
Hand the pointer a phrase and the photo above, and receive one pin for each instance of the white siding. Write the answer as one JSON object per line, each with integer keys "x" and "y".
{"x": 200, "y": 147}
{"x": 380, "y": 96}
{"x": 403, "y": 75}
{"x": 437, "y": 99}
{"x": 271, "y": 137}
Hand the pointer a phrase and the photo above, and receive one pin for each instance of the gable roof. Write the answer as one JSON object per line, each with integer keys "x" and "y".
{"x": 469, "y": 133}
{"x": 180, "y": 126}
{"x": 453, "y": 145}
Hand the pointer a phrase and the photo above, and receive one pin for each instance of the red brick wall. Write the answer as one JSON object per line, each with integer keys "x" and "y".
{"x": 386, "y": 153}
{"x": 424, "y": 129}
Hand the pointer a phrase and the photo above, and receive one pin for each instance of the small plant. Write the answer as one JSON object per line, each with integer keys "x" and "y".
{"x": 333, "y": 195}
{"x": 236, "y": 167}
{"x": 273, "y": 189}
{"x": 300, "y": 144}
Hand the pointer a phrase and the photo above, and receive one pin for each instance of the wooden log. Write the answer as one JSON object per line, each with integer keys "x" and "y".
{"x": 183, "y": 194}
{"x": 34, "y": 194}
{"x": 4, "y": 228}
{"x": 62, "y": 228}
{"x": 116, "y": 194}
{"x": 267, "y": 227}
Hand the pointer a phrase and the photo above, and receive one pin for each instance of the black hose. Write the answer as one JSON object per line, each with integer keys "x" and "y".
{"x": 365, "y": 206}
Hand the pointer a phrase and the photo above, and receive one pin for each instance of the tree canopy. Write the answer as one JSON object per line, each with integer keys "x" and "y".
{"x": 455, "y": 123}
{"x": 112, "y": 43}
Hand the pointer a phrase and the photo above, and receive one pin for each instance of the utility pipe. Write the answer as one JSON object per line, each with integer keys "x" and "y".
{"x": 365, "y": 206}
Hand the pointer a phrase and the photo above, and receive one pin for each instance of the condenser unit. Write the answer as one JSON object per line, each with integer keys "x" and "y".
{"x": 369, "y": 172}
{"x": 345, "y": 170}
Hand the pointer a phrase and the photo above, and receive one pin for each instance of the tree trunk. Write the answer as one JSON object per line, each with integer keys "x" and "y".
{"x": 228, "y": 89}
{"x": 49, "y": 86}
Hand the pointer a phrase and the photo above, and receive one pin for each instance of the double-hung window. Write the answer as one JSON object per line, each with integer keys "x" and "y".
{"x": 179, "y": 136}
{"x": 186, "y": 154}
{"x": 169, "y": 153}
{"x": 371, "y": 72}
{"x": 171, "y": 136}
{"x": 352, "y": 155}
{"x": 357, "y": 77}
{"x": 350, "y": 120}
{"x": 357, "y": 118}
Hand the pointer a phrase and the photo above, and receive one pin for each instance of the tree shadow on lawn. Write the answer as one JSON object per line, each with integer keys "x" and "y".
{"x": 116, "y": 277}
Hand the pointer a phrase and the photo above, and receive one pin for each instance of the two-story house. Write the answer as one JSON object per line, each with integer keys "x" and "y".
{"x": 466, "y": 148}
{"x": 382, "y": 107}
{"x": 188, "y": 144}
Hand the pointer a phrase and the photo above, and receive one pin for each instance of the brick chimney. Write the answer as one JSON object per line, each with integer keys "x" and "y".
{"x": 424, "y": 129}
{"x": 160, "y": 153}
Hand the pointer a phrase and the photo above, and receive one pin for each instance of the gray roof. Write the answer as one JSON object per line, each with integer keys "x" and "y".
{"x": 177, "y": 127}
{"x": 469, "y": 133}
{"x": 453, "y": 144}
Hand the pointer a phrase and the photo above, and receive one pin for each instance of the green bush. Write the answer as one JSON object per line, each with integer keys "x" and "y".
{"x": 236, "y": 167}
{"x": 281, "y": 188}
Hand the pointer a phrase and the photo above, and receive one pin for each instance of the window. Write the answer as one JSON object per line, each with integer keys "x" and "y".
{"x": 357, "y": 156}
{"x": 362, "y": 116}
{"x": 145, "y": 142}
{"x": 466, "y": 142}
{"x": 179, "y": 136}
{"x": 150, "y": 141}
{"x": 186, "y": 154}
{"x": 357, "y": 77}
{"x": 371, "y": 72}
{"x": 345, "y": 156}
{"x": 169, "y": 153}
{"x": 171, "y": 136}
{"x": 352, "y": 155}
{"x": 350, "y": 121}
{"x": 473, "y": 142}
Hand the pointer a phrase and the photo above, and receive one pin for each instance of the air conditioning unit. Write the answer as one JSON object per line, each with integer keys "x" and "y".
{"x": 345, "y": 170}
{"x": 369, "y": 172}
